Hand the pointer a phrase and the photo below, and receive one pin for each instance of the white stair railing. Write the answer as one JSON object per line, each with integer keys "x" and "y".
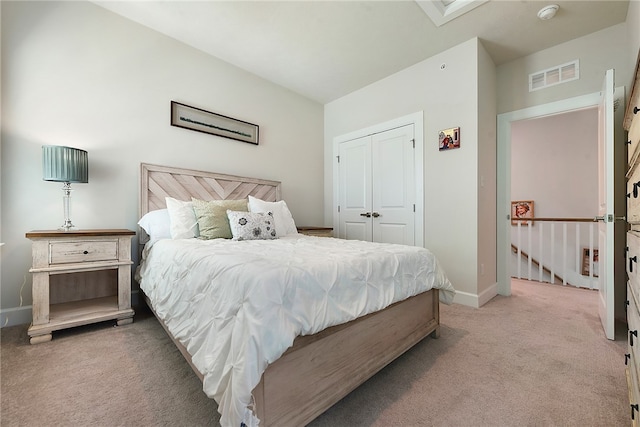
{"x": 556, "y": 250}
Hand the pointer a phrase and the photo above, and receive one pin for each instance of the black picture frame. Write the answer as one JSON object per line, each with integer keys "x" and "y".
{"x": 199, "y": 120}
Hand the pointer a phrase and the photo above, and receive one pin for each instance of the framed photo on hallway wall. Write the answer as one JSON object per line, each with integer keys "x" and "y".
{"x": 521, "y": 212}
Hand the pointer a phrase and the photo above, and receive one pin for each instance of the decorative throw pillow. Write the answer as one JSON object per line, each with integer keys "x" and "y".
{"x": 252, "y": 226}
{"x": 285, "y": 224}
{"x": 183, "y": 219}
{"x": 213, "y": 222}
{"x": 157, "y": 224}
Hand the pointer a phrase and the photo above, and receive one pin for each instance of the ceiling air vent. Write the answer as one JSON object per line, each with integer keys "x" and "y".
{"x": 554, "y": 76}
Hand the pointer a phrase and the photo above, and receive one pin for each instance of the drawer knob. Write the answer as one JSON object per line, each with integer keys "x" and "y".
{"x": 626, "y": 358}
{"x": 631, "y": 261}
{"x": 85, "y": 252}
{"x": 631, "y": 335}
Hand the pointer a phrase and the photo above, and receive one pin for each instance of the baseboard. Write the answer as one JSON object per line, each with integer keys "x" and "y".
{"x": 15, "y": 316}
{"x": 23, "y": 315}
{"x": 476, "y": 301}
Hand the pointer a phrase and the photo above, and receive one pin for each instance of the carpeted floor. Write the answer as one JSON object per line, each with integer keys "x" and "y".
{"x": 537, "y": 358}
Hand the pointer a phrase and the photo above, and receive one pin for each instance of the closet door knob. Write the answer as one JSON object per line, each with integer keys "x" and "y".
{"x": 376, "y": 214}
{"x": 367, "y": 214}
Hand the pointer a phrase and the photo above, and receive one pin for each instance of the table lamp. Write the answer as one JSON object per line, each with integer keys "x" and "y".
{"x": 66, "y": 165}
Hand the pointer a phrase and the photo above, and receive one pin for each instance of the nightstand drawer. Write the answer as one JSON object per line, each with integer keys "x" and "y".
{"x": 83, "y": 251}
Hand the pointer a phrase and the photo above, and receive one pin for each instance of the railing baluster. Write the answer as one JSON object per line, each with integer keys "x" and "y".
{"x": 564, "y": 253}
{"x": 541, "y": 253}
{"x": 519, "y": 259}
{"x": 591, "y": 257}
{"x": 529, "y": 224}
{"x": 577, "y": 248}
{"x": 553, "y": 253}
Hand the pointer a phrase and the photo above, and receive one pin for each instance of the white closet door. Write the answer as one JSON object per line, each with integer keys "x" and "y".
{"x": 354, "y": 169}
{"x": 377, "y": 187}
{"x": 393, "y": 187}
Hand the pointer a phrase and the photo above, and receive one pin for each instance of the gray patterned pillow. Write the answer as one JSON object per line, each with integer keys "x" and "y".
{"x": 251, "y": 225}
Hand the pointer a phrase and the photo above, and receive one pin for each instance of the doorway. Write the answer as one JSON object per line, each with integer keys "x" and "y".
{"x": 504, "y": 135}
{"x": 504, "y": 129}
{"x": 554, "y": 166}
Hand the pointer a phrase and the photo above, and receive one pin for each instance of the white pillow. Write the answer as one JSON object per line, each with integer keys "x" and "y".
{"x": 184, "y": 224}
{"x": 285, "y": 224}
{"x": 157, "y": 224}
{"x": 251, "y": 225}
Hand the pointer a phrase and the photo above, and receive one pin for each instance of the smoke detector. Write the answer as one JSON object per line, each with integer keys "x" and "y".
{"x": 548, "y": 12}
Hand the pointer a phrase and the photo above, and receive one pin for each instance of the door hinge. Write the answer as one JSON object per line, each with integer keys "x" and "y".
{"x": 338, "y": 208}
{"x": 413, "y": 141}
{"x": 414, "y": 207}
{"x": 338, "y": 157}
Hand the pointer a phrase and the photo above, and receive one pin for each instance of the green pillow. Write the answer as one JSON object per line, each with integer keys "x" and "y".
{"x": 212, "y": 216}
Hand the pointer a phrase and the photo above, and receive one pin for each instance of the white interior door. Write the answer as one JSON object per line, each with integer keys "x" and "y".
{"x": 393, "y": 186}
{"x": 354, "y": 198}
{"x": 606, "y": 212}
{"x": 377, "y": 188}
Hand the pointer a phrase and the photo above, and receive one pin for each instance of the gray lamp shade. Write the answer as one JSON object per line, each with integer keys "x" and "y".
{"x": 64, "y": 164}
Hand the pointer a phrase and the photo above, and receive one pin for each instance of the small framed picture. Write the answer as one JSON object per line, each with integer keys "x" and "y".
{"x": 522, "y": 212}
{"x": 448, "y": 139}
{"x": 589, "y": 262}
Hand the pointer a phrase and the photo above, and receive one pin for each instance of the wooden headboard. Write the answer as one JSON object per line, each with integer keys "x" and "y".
{"x": 158, "y": 182}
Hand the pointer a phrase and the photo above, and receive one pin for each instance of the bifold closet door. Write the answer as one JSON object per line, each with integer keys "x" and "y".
{"x": 377, "y": 187}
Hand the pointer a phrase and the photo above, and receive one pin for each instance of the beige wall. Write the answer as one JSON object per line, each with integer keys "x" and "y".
{"x": 486, "y": 180}
{"x": 75, "y": 74}
{"x": 633, "y": 37}
{"x": 597, "y": 53}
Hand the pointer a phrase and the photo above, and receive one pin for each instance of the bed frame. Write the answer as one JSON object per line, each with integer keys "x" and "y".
{"x": 320, "y": 369}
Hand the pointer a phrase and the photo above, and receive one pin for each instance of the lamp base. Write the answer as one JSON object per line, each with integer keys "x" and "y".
{"x": 66, "y": 202}
{"x": 67, "y": 226}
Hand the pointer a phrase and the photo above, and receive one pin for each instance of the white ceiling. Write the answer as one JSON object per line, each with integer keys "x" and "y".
{"x": 327, "y": 49}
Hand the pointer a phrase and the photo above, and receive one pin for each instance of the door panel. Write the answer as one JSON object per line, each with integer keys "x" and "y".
{"x": 605, "y": 208}
{"x": 354, "y": 170}
{"x": 394, "y": 186}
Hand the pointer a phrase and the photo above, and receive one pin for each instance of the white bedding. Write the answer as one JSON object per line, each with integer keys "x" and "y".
{"x": 238, "y": 306}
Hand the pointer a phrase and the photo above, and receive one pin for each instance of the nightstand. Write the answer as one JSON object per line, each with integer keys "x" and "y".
{"x": 79, "y": 277}
{"x": 316, "y": 231}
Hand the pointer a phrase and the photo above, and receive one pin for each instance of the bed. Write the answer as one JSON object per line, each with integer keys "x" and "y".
{"x": 284, "y": 375}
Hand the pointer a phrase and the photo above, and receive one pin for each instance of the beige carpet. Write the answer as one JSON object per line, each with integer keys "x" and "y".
{"x": 537, "y": 358}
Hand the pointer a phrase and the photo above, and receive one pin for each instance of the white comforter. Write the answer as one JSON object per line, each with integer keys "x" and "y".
{"x": 238, "y": 306}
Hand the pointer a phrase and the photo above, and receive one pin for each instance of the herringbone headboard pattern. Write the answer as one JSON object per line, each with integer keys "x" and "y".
{"x": 158, "y": 182}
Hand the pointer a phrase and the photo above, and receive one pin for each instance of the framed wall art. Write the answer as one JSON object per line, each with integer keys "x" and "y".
{"x": 449, "y": 139}
{"x": 521, "y": 212}
{"x": 200, "y": 120}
